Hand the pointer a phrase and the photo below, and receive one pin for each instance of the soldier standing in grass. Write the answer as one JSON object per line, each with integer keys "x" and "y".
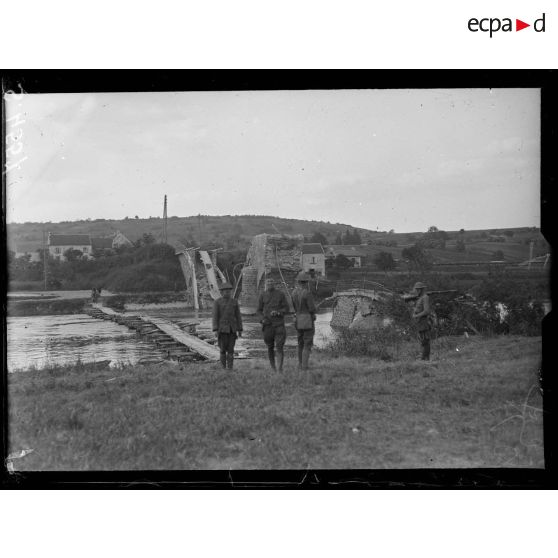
{"x": 227, "y": 324}
{"x": 421, "y": 314}
{"x": 305, "y": 316}
{"x": 272, "y": 307}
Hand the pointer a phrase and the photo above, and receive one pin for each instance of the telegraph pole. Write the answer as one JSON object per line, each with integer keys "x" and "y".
{"x": 165, "y": 220}
{"x": 44, "y": 259}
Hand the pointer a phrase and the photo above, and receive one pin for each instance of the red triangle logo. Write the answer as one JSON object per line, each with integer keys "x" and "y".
{"x": 519, "y": 25}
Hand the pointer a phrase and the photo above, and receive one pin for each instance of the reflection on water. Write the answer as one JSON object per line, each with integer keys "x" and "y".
{"x": 39, "y": 341}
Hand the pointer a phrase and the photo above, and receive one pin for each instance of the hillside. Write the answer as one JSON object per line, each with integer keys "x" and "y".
{"x": 234, "y": 232}
{"x": 228, "y": 231}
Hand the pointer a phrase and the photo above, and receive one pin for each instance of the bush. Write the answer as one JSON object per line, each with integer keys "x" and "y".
{"x": 141, "y": 277}
{"x": 383, "y": 343}
{"x": 384, "y": 261}
{"x": 525, "y": 318}
{"x": 148, "y": 266}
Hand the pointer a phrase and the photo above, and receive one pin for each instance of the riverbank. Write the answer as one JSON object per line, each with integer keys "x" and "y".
{"x": 73, "y": 302}
{"x": 478, "y": 405}
{"x": 46, "y": 307}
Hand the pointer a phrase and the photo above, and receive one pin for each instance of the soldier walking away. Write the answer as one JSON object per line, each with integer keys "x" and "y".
{"x": 227, "y": 324}
{"x": 94, "y": 295}
{"x": 421, "y": 314}
{"x": 305, "y": 316}
{"x": 272, "y": 307}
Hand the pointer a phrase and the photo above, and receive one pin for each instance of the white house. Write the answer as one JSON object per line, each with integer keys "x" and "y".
{"x": 58, "y": 244}
{"x": 313, "y": 259}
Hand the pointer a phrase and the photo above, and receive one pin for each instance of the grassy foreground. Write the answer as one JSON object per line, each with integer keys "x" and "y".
{"x": 477, "y": 405}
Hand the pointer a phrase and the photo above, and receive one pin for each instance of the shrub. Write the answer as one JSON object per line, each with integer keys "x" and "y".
{"x": 384, "y": 261}
{"x": 383, "y": 343}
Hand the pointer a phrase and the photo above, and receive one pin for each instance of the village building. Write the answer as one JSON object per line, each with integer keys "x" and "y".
{"x": 33, "y": 252}
{"x": 59, "y": 244}
{"x": 355, "y": 253}
{"x": 100, "y": 243}
{"x": 313, "y": 259}
{"x": 119, "y": 240}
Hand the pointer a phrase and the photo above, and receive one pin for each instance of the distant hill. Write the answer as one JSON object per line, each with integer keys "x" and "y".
{"x": 234, "y": 232}
{"x": 227, "y": 231}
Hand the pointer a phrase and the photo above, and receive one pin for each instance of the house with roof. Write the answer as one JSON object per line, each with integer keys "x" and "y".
{"x": 355, "y": 253}
{"x": 313, "y": 259}
{"x": 119, "y": 240}
{"x": 26, "y": 248}
{"x": 59, "y": 244}
{"x": 101, "y": 243}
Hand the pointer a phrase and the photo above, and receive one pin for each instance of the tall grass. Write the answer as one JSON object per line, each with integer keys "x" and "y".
{"x": 384, "y": 343}
{"x": 349, "y": 412}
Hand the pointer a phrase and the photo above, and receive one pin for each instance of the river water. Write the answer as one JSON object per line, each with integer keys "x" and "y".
{"x": 41, "y": 341}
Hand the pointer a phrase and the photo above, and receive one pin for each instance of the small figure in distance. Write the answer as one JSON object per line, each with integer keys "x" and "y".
{"x": 272, "y": 307}
{"x": 421, "y": 313}
{"x": 305, "y": 316}
{"x": 227, "y": 324}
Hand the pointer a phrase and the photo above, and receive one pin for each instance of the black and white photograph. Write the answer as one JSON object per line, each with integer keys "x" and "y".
{"x": 275, "y": 280}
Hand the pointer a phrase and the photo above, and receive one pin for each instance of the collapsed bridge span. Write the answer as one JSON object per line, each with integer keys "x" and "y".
{"x": 202, "y": 276}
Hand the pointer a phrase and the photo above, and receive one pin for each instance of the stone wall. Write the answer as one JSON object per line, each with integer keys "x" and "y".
{"x": 344, "y": 311}
{"x": 249, "y": 296}
{"x": 359, "y": 312}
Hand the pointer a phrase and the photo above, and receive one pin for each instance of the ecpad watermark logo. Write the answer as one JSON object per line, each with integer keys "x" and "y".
{"x": 493, "y": 25}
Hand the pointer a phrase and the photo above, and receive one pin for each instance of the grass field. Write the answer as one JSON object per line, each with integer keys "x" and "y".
{"x": 477, "y": 405}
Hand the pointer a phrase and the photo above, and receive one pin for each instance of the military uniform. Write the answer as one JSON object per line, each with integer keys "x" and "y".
{"x": 228, "y": 323}
{"x": 272, "y": 307}
{"x": 422, "y": 306}
{"x": 304, "y": 304}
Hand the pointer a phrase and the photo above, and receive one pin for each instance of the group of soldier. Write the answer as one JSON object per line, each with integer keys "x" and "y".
{"x": 271, "y": 311}
{"x": 96, "y": 293}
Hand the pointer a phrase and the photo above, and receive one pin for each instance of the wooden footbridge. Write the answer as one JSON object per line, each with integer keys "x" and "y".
{"x": 179, "y": 340}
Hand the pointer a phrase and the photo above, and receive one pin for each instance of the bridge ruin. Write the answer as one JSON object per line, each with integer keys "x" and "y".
{"x": 278, "y": 256}
{"x": 202, "y": 276}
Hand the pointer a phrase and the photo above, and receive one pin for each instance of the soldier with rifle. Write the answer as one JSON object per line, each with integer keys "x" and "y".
{"x": 272, "y": 307}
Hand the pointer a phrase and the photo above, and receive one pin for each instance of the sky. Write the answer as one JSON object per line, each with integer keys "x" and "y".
{"x": 377, "y": 159}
